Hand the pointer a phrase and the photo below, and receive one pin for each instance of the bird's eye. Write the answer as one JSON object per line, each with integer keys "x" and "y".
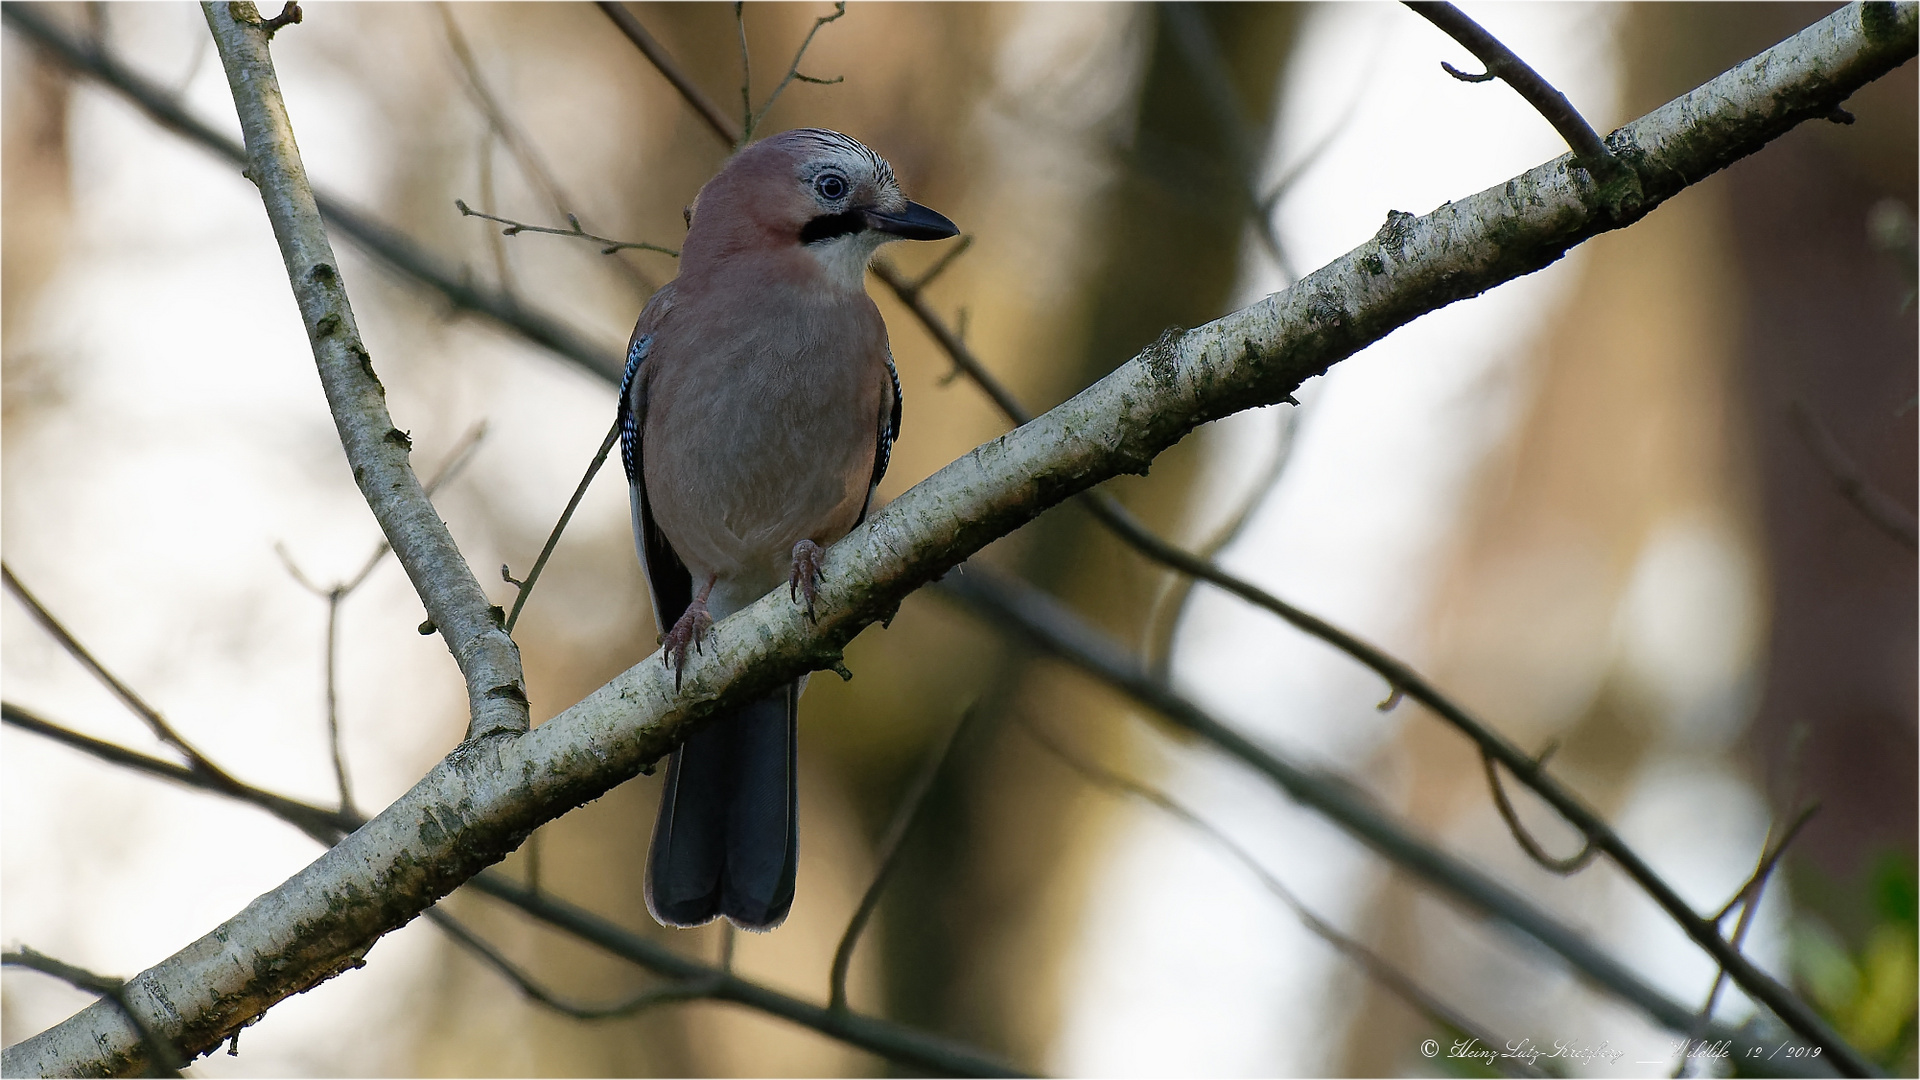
{"x": 830, "y": 186}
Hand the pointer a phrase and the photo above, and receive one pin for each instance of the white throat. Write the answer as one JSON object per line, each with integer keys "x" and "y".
{"x": 845, "y": 258}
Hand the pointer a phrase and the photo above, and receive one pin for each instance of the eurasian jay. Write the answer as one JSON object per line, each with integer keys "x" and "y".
{"x": 758, "y": 410}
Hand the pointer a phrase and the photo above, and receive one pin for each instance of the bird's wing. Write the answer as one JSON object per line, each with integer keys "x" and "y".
{"x": 889, "y": 431}
{"x": 668, "y": 579}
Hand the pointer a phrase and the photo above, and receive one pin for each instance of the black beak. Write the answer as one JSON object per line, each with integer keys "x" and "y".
{"x": 916, "y": 222}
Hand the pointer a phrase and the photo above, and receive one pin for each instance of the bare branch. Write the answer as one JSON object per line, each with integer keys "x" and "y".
{"x": 553, "y": 538}
{"x": 607, "y": 245}
{"x": 1563, "y": 866}
{"x": 154, "y": 721}
{"x": 1748, "y": 900}
{"x": 1880, "y": 509}
{"x": 1377, "y": 967}
{"x": 498, "y": 121}
{"x": 746, "y": 75}
{"x": 463, "y": 452}
{"x": 940, "y": 265}
{"x": 793, "y": 69}
{"x": 1749, "y": 893}
{"x": 377, "y": 450}
{"x": 692, "y": 989}
{"x": 916, "y": 1050}
{"x": 901, "y": 1044}
{"x": 1200, "y": 48}
{"x": 705, "y": 107}
{"x": 501, "y": 125}
{"x": 1504, "y": 64}
{"x": 905, "y": 816}
{"x": 326, "y": 826}
{"x": 1048, "y": 625}
{"x": 456, "y": 462}
{"x": 165, "y": 1058}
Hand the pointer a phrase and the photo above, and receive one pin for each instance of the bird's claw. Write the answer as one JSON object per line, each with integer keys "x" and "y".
{"x": 687, "y": 631}
{"x": 805, "y": 578}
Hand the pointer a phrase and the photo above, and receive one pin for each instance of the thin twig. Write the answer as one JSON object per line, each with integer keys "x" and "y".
{"x": 553, "y": 538}
{"x": 913, "y": 1049}
{"x": 905, "y": 817}
{"x": 521, "y": 147}
{"x": 154, "y": 721}
{"x": 793, "y": 69}
{"x": 339, "y": 591}
{"x": 1881, "y": 510}
{"x": 1569, "y": 865}
{"x": 502, "y": 268}
{"x": 324, "y": 825}
{"x": 1379, "y": 968}
{"x": 1769, "y": 859}
{"x": 496, "y": 114}
{"x": 607, "y": 245}
{"x": 1503, "y": 63}
{"x": 1748, "y": 900}
{"x": 692, "y": 989}
{"x": 167, "y": 1060}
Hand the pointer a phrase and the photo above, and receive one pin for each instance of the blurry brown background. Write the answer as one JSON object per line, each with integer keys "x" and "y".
{"x": 161, "y": 434}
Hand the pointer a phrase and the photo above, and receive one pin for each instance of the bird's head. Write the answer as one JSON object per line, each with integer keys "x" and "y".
{"x": 809, "y": 190}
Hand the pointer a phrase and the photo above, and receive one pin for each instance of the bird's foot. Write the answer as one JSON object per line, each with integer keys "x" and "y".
{"x": 805, "y": 578}
{"x": 687, "y": 631}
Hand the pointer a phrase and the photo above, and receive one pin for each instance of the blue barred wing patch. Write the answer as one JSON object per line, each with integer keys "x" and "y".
{"x": 629, "y": 421}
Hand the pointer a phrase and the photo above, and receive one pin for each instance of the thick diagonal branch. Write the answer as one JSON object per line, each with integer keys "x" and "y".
{"x": 915, "y": 1049}
{"x": 482, "y": 800}
{"x": 378, "y": 451}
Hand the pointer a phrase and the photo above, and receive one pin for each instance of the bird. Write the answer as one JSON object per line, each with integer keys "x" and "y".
{"x": 758, "y": 412}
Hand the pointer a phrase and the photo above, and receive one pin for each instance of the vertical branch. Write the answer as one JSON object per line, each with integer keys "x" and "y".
{"x": 377, "y": 450}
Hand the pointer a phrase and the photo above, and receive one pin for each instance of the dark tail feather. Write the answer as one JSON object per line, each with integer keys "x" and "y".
{"x": 727, "y": 840}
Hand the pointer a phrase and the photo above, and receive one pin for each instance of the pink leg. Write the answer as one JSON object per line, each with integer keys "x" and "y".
{"x": 806, "y": 573}
{"x": 686, "y": 632}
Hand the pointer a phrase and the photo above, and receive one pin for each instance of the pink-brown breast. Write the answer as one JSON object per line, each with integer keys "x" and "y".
{"x": 763, "y": 418}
